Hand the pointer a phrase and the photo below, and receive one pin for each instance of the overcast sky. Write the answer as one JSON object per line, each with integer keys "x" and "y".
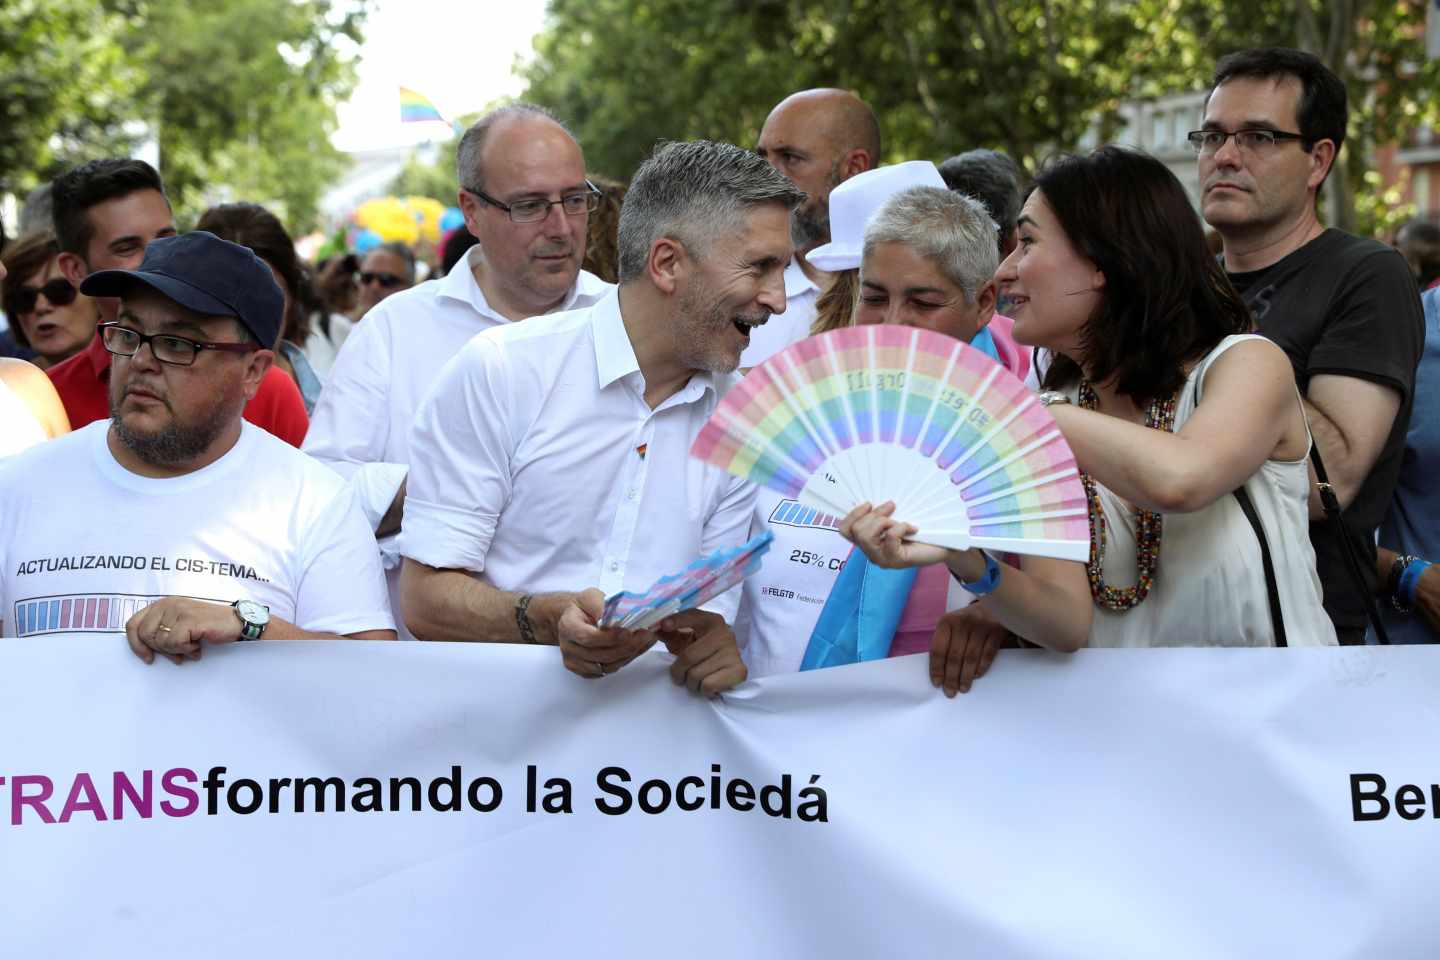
{"x": 458, "y": 54}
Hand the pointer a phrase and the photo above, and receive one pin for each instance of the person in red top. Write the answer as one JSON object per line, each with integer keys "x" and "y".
{"x": 105, "y": 212}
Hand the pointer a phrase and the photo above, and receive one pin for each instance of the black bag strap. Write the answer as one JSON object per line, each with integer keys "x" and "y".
{"x": 1336, "y": 516}
{"x": 1277, "y": 619}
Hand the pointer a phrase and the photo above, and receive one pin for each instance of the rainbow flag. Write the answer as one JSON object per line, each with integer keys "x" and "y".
{"x": 415, "y": 108}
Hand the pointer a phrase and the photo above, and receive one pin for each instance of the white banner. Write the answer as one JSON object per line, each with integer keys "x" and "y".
{"x": 1162, "y": 803}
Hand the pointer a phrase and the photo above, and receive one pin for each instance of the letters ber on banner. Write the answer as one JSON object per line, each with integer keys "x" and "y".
{"x": 396, "y": 800}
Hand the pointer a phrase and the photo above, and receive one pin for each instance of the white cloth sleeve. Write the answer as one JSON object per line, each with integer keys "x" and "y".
{"x": 376, "y": 485}
{"x": 729, "y": 526}
{"x": 341, "y": 586}
{"x": 350, "y": 426}
{"x": 460, "y": 459}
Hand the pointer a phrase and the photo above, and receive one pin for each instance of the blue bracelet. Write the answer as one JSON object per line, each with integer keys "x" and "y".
{"x": 987, "y": 582}
{"x": 1409, "y": 580}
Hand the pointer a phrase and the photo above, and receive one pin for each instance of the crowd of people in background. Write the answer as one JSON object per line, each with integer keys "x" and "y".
{"x": 260, "y": 447}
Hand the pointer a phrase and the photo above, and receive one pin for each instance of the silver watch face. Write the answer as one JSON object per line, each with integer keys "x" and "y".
{"x": 252, "y": 612}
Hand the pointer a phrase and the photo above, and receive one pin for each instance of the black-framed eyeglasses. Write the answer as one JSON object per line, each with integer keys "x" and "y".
{"x": 386, "y": 280}
{"x": 1254, "y": 140}
{"x": 531, "y": 210}
{"x": 58, "y": 292}
{"x": 180, "y": 351}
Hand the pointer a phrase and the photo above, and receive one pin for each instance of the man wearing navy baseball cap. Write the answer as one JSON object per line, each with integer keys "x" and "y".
{"x": 178, "y": 523}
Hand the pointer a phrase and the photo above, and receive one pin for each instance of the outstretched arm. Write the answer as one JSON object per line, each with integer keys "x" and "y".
{"x": 1250, "y": 404}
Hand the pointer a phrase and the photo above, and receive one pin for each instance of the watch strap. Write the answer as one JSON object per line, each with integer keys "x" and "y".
{"x": 987, "y": 582}
{"x": 249, "y": 630}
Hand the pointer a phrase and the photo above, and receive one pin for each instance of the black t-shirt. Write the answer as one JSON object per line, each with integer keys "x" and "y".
{"x": 1348, "y": 306}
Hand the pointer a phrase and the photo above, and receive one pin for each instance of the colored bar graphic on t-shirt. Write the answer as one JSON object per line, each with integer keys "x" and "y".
{"x": 792, "y": 513}
{"x": 104, "y": 613}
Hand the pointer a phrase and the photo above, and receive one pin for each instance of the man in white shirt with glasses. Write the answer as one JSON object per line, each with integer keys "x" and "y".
{"x": 550, "y": 466}
{"x": 525, "y": 197}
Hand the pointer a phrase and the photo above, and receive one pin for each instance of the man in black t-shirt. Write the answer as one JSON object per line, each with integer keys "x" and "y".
{"x": 1345, "y": 308}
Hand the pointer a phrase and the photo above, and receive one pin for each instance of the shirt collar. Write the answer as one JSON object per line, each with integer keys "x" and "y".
{"x": 459, "y": 284}
{"x": 796, "y": 283}
{"x": 615, "y": 354}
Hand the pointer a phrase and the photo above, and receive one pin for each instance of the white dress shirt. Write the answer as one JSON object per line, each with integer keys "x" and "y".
{"x": 361, "y": 425}
{"x": 536, "y": 464}
{"x": 783, "y": 329}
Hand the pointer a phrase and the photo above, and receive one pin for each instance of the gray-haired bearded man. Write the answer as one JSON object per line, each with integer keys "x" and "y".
{"x": 550, "y": 466}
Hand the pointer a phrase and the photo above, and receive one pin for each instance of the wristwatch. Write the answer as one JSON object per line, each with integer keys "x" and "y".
{"x": 987, "y": 582}
{"x": 253, "y": 618}
{"x": 1050, "y": 397}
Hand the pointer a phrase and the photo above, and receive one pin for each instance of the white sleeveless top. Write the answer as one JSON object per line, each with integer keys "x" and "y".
{"x": 1209, "y": 586}
{"x": 18, "y": 427}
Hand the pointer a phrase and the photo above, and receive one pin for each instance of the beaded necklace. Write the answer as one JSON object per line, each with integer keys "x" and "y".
{"x": 1160, "y": 415}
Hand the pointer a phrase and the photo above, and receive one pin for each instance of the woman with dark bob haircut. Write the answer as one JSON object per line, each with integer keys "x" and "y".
{"x": 1187, "y": 428}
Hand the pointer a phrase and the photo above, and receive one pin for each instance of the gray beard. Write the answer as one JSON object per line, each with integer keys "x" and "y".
{"x": 808, "y": 231}
{"x": 176, "y": 446}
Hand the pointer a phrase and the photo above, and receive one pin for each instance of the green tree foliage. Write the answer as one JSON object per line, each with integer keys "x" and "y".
{"x": 64, "y": 86}
{"x": 1025, "y": 76}
{"x": 240, "y": 94}
{"x": 243, "y": 93}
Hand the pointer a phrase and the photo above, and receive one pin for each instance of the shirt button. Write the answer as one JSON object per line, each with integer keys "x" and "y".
{"x": 614, "y": 565}
{"x": 633, "y": 494}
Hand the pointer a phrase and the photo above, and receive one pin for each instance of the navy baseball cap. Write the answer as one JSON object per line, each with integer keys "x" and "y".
{"x": 203, "y": 273}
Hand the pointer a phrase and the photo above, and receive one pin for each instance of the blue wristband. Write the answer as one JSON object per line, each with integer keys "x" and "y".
{"x": 987, "y": 583}
{"x": 1409, "y": 580}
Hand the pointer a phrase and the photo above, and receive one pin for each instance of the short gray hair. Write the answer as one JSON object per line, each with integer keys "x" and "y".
{"x": 950, "y": 229}
{"x": 472, "y": 144}
{"x": 691, "y": 192}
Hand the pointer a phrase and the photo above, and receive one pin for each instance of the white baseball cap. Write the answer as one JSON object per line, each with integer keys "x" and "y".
{"x": 855, "y": 201}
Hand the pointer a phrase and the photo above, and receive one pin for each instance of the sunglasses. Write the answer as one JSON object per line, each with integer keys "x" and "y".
{"x": 59, "y": 292}
{"x": 386, "y": 280}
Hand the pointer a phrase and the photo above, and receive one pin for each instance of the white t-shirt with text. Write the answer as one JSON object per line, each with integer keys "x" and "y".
{"x": 85, "y": 543}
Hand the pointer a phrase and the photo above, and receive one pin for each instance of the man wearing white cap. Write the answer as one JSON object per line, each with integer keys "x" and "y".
{"x": 819, "y": 139}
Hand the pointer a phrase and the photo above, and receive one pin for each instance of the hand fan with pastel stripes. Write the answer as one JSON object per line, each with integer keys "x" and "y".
{"x": 968, "y": 454}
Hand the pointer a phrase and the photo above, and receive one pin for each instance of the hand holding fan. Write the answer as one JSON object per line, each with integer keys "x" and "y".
{"x": 968, "y": 454}
{"x": 699, "y": 583}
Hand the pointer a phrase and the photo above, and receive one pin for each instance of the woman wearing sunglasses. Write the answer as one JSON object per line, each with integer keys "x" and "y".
{"x": 47, "y": 314}
{"x": 30, "y": 409}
